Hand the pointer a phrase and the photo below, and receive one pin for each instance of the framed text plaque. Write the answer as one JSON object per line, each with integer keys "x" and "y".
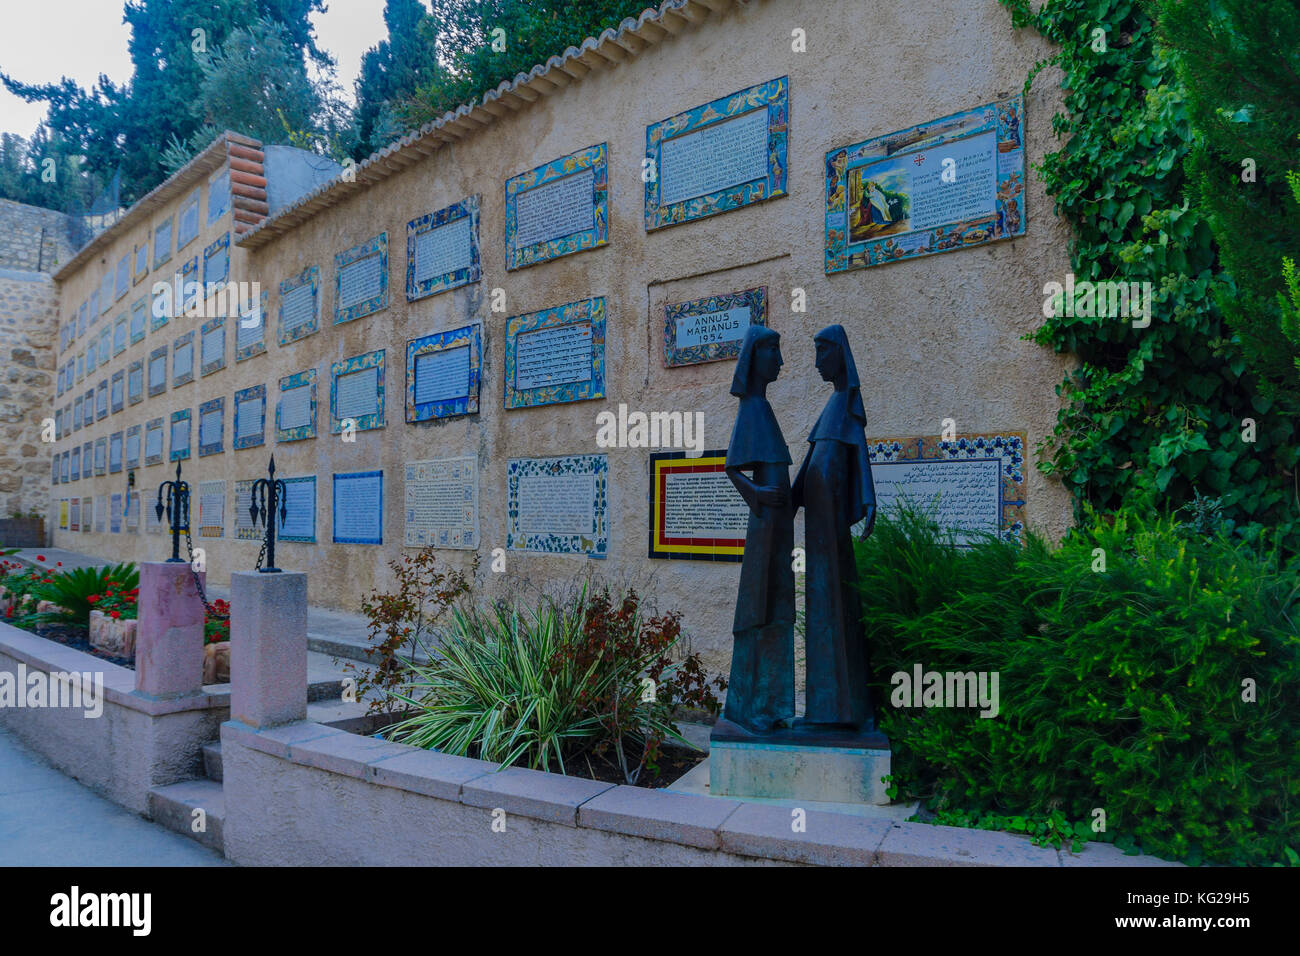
{"x": 971, "y": 486}
{"x": 299, "y": 312}
{"x": 212, "y": 345}
{"x": 359, "y": 508}
{"x": 357, "y": 392}
{"x": 361, "y": 279}
{"x": 711, "y": 329}
{"x": 556, "y": 355}
{"x": 948, "y": 184}
{"x": 558, "y": 505}
{"x": 133, "y": 446}
{"x": 442, "y": 374}
{"x": 212, "y": 427}
{"x": 250, "y": 330}
{"x": 557, "y": 209}
{"x": 153, "y": 441}
{"x": 139, "y": 320}
{"x": 212, "y": 509}
{"x": 158, "y": 371}
{"x": 249, "y": 417}
{"x": 442, "y": 503}
{"x": 180, "y": 435}
{"x": 183, "y": 359}
{"x": 295, "y": 412}
{"x": 117, "y": 391}
{"x": 299, "y": 522}
{"x": 696, "y": 514}
{"x": 216, "y": 265}
{"x": 718, "y": 157}
{"x": 442, "y": 251}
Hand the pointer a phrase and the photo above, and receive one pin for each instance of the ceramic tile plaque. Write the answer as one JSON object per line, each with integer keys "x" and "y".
{"x": 250, "y": 417}
{"x": 101, "y": 457}
{"x": 299, "y": 313}
{"x": 105, "y": 300}
{"x": 87, "y": 508}
{"x": 949, "y": 184}
{"x": 212, "y": 423}
{"x": 219, "y": 195}
{"x": 122, "y": 277}
{"x": 558, "y": 208}
{"x": 295, "y": 412}
{"x": 133, "y": 443}
{"x": 712, "y": 328}
{"x": 696, "y": 514}
{"x": 77, "y": 413}
{"x": 361, "y": 279}
{"x": 191, "y": 289}
{"x": 162, "y": 242}
{"x": 357, "y": 392}
{"x": 558, "y": 505}
{"x": 119, "y": 335}
{"x": 105, "y": 347}
{"x": 115, "y": 510}
{"x": 556, "y": 355}
{"x": 718, "y": 157}
{"x": 139, "y": 320}
{"x": 63, "y": 514}
{"x": 442, "y": 250}
{"x": 160, "y": 309}
{"x": 114, "y": 453}
{"x": 153, "y": 441}
{"x": 133, "y": 512}
{"x": 442, "y": 374}
{"x": 152, "y": 523}
{"x": 158, "y": 371}
{"x": 187, "y": 223}
{"x": 245, "y": 530}
{"x": 299, "y": 522}
{"x": 101, "y": 509}
{"x": 135, "y": 382}
{"x": 359, "y": 508}
{"x": 183, "y": 359}
{"x": 101, "y": 400}
{"x": 141, "y": 260}
{"x": 180, "y": 435}
{"x": 212, "y": 345}
{"x": 75, "y": 464}
{"x": 87, "y": 459}
{"x": 442, "y": 503}
{"x": 212, "y": 509}
{"x": 88, "y": 407}
{"x": 74, "y": 514}
{"x": 216, "y": 265}
{"x": 971, "y": 486}
{"x": 250, "y": 330}
{"x": 117, "y": 391}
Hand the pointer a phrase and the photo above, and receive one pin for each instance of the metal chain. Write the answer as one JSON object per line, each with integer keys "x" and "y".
{"x": 198, "y": 584}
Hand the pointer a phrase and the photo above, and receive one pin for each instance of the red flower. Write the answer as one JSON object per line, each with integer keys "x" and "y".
{"x": 40, "y": 557}
{"x": 58, "y": 564}
{"x": 115, "y": 614}
{"x": 93, "y": 599}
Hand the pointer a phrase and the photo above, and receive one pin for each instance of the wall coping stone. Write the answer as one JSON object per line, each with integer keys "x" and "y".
{"x": 119, "y": 682}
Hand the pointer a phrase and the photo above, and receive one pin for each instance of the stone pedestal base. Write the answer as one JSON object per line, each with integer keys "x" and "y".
{"x": 268, "y": 647}
{"x": 826, "y": 766}
{"x": 169, "y": 634}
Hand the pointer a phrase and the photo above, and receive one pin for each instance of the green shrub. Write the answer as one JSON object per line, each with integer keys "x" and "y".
{"x": 548, "y": 687}
{"x": 80, "y": 590}
{"x": 1122, "y": 658}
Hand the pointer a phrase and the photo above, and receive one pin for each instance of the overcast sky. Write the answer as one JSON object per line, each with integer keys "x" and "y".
{"x": 42, "y": 40}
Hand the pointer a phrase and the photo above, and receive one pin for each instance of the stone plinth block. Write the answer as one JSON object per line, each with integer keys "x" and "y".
{"x": 169, "y": 635}
{"x": 268, "y": 647}
{"x": 798, "y": 772}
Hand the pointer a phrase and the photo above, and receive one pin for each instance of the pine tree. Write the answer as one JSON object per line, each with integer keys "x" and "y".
{"x": 392, "y": 71}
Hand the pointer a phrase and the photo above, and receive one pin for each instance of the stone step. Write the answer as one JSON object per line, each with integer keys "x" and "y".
{"x": 174, "y": 807}
{"x": 212, "y": 761}
{"x": 349, "y": 647}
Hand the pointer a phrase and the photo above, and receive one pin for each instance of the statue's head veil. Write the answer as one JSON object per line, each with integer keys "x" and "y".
{"x": 754, "y": 335}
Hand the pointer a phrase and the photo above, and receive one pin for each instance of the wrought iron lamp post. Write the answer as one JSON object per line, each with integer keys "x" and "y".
{"x": 177, "y": 508}
{"x": 264, "y": 497}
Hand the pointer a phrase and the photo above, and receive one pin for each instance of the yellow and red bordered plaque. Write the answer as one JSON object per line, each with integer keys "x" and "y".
{"x": 696, "y": 514}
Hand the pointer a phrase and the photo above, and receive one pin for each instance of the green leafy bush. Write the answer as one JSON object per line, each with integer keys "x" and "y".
{"x": 590, "y": 677}
{"x": 1125, "y": 661}
{"x": 79, "y": 591}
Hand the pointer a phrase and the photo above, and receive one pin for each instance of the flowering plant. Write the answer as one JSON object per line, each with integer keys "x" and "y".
{"x": 217, "y": 629}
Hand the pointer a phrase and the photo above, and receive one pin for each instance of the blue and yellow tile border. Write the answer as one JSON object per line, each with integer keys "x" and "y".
{"x": 592, "y": 157}
{"x": 595, "y": 544}
{"x": 468, "y": 337}
{"x": 309, "y": 276}
{"x": 305, "y": 379}
{"x": 254, "y": 393}
{"x": 753, "y": 299}
{"x": 215, "y": 405}
{"x": 217, "y": 364}
{"x": 258, "y": 347}
{"x": 572, "y": 313}
{"x": 773, "y": 96}
{"x": 466, "y": 208}
{"x": 173, "y": 453}
{"x": 355, "y": 364}
{"x": 376, "y": 246}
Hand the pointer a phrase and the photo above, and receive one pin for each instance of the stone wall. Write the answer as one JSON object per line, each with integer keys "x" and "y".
{"x": 24, "y": 246}
{"x": 28, "y": 323}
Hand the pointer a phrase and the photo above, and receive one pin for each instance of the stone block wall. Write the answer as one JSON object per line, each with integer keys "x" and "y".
{"x": 28, "y": 323}
{"x": 22, "y": 243}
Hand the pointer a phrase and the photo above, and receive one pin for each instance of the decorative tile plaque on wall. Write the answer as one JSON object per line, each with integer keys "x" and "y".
{"x": 212, "y": 509}
{"x": 249, "y": 417}
{"x": 212, "y": 427}
{"x": 442, "y": 251}
{"x": 971, "y": 486}
{"x": 299, "y": 524}
{"x": 299, "y": 312}
{"x": 557, "y": 209}
{"x": 153, "y": 441}
{"x": 361, "y": 279}
{"x": 558, "y": 505}
{"x": 712, "y": 328}
{"x": 180, "y": 435}
{"x": 442, "y": 374}
{"x": 556, "y": 355}
{"x": 442, "y": 503}
{"x": 357, "y": 392}
{"x": 295, "y": 412}
{"x": 250, "y": 330}
{"x": 718, "y": 157}
{"x": 359, "y": 508}
{"x": 952, "y": 183}
{"x": 212, "y": 345}
{"x": 696, "y": 514}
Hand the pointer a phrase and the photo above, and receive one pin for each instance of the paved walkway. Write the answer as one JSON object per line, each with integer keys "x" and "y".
{"x": 48, "y": 819}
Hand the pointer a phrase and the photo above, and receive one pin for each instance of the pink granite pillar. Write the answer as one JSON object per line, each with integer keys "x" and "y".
{"x": 268, "y": 647}
{"x": 169, "y": 637}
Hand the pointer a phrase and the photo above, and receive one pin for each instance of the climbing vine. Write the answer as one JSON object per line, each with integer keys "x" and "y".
{"x": 1161, "y": 413}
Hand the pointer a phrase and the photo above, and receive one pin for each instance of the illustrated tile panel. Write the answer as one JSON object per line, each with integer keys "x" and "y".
{"x": 711, "y": 329}
{"x": 558, "y": 505}
{"x": 442, "y": 503}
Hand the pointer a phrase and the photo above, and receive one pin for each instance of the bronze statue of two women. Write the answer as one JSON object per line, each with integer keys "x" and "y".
{"x": 835, "y": 490}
